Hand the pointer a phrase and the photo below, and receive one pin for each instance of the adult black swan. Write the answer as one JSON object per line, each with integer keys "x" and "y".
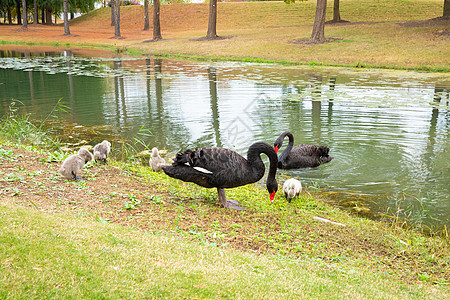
{"x": 223, "y": 168}
{"x": 300, "y": 156}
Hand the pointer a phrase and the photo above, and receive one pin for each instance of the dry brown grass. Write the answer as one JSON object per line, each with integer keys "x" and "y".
{"x": 376, "y": 34}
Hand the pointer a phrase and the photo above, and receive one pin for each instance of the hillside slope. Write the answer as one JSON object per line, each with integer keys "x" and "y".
{"x": 380, "y": 33}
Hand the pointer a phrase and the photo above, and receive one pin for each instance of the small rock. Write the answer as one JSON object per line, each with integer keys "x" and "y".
{"x": 88, "y": 147}
{"x": 144, "y": 154}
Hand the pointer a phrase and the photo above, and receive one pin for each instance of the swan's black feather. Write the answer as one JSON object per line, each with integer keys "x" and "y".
{"x": 301, "y": 156}
{"x": 222, "y": 168}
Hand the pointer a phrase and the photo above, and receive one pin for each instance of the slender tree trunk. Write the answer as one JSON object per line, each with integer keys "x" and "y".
{"x": 146, "y": 19}
{"x": 116, "y": 18}
{"x": 66, "y": 17}
{"x": 43, "y": 15}
{"x": 35, "y": 12}
{"x": 212, "y": 22}
{"x": 48, "y": 16}
{"x": 19, "y": 16}
{"x": 9, "y": 15}
{"x": 25, "y": 15}
{"x": 318, "y": 33}
{"x": 156, "y": 23}
{"x": 446, "y": 9}
{"x": 112, "y": 12}
{"x": 336, "y": 13}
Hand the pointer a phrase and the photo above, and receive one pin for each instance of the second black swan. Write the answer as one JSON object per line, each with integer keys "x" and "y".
{"x": 300, "y": 156}
{"x": 223, "y": 168}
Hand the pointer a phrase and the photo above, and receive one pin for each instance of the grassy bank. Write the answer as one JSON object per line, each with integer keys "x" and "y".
{"x": 59, "y": 256}
{"x": 381, "y": 33}
{"x": 125, "y": 231}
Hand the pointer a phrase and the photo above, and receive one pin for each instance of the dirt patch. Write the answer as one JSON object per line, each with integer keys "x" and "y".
{"x": 308, "y": 41}
{"x": 340, "y": 22}
{"x": 439, "y": 21}
{"x": 442, "y": 33}
{"x": 343, "y": 23}
{"x": 217, "y": 38}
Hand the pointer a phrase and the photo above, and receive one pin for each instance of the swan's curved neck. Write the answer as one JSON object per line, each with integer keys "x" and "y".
{"x": 253, "y": 157}
{"x": 288, "y": 149}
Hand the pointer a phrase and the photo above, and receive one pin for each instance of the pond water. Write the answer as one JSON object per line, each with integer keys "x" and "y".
{"x": 388, "y": 130}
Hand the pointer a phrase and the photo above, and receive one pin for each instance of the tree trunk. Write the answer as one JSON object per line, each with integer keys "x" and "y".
{"x": 336, "y": 13}
{"x": 66, "y": 17}
{"x": 9, "y": 15}
{"x": 116, "y": 18}
{"x": 318, "y": 33}
{"x": 212, "y": 22}
{"x": 19, "y": 16}
{"x": 43, "y": 15}
{"x": 156, "y": 23}
{"x": 35, "y": 12}
{"x": 48, "y": 16}
{"x": 446, "y": 9}
{"x": 25, "y": 15}
{"x": 112, "y": 12}
{"x": 146, "y": 19}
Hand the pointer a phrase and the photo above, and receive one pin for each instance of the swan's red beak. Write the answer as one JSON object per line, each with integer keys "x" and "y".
{"x": 276, "y": 148}
{"x": 272, "y": 196}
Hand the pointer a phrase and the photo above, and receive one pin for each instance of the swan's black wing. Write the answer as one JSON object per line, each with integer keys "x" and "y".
{"x": 210, "y": 167}
{"x": 306, "y": 156}
{"x": 310, "y": 150}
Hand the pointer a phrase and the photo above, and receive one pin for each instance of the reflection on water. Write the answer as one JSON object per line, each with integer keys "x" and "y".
{"x": 388, "y": 131}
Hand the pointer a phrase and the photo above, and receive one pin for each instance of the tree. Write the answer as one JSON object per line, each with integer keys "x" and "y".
{"x": 446, "y": 12}
{"x": 8, "y": 11}
{"x": 156, "y": 23}
{"x": 66, "y": 17}
{"x": 146, "y": 19}
{"x": 112, "y": 12}
{"x": 19, "y": 16}
{"x": 336, "y": 12}
{"x": 48, "y": 15}
{"x": 318, "y": 33}
{"x": 25, "y": 15}
{"x": 212, "y": 22}
{"x": 35, "y": 12}
{"x": 116, "y": 18}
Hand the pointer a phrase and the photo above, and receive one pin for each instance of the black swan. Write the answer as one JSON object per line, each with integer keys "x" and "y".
{"x": 301, "y": 156}
{"x": 223, "y": 168}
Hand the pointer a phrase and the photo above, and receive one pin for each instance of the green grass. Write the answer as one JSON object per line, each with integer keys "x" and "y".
{"x": 58, "y": 256}
{"x": 19, "y": 129}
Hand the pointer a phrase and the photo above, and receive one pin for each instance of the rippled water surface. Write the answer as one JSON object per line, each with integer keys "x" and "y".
{"x": 388, "y": 130}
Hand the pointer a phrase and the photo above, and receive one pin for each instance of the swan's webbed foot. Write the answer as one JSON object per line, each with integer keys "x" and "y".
{"x": 228, "y": 203}
{"x": 233, "y": 204}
